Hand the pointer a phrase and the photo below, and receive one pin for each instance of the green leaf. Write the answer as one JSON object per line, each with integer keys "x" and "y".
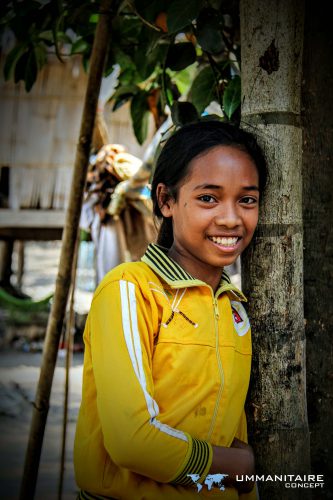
{"x": 41, "y": 56}
{"x": 63, "y": 37}
{"x": 94, "y": 18}
{"x": 150, "y": 8}
{"x": 26, "y": 68}
{"x": 79, "y": 46}
{"x": 123, "y": 59}
{"x": 20, "y": 68}
{"x": 120, "y": 101}
{"x": 203, "y": 89}
{"x": 57, "y": 30}
{"x": 148, "y": 57}
{"x": 184, "y": 78}
{"x": 126, "y": 28}
{"x": 181, "y": 14}
{"x": 180, "y": 55}
{"x": 210, "y": 39}
{"x": 125, "y": 89}
{"x": 46, "y": 36}
{"x": 129, "y": 76}
{"x": 145, "y": 65}
{"x": 123, "y": 94}
{"x": 209, "y": 31}
{"x": 140, "y": 116}
{"x": 183, "y": 112}
{"x": 232, "y": 96}
{"x": 12, "y": 58}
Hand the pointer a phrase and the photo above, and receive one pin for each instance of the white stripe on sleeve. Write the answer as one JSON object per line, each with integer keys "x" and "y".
{"x": 132, "y": 338}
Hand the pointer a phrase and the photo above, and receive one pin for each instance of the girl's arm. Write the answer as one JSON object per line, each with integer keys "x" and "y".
{"x": 119, "y": 341}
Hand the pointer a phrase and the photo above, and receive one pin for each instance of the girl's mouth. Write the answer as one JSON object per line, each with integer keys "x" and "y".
{"x": 225, "y": 242}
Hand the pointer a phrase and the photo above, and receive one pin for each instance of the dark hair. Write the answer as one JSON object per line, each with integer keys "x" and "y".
{"x": 186, "y": 144}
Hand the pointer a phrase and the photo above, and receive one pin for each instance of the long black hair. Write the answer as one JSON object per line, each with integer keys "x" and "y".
{"x": 186, "y": 144}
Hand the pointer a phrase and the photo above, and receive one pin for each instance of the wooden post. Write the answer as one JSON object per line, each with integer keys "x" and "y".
{"x": 6, "y": 254}
{"x": 272, "y": 268}
{"x": 20, "y": 262}
{"x": 55, "y": 323}
{"x": 69, "y": 340}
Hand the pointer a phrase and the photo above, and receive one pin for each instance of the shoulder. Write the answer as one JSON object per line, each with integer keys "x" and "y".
{"x": 137, "y": 273}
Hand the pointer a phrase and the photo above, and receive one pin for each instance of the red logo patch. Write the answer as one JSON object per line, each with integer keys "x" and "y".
{"x": 237, "y": 316}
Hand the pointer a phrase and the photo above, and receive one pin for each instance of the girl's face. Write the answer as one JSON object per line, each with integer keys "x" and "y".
{"x": 216, "y": 212}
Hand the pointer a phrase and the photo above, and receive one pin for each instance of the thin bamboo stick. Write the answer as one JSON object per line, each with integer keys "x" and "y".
{"x": 69, "y": 354}
{"x": 55, "y": 323}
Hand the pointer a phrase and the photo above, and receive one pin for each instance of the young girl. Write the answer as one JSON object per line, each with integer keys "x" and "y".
{"x": 167, "y": 340}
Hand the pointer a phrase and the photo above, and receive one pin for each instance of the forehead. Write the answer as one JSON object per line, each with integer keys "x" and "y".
{"x": 223, "y": 163}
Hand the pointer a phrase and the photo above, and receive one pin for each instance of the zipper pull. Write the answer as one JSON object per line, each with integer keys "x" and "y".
{"x": 216, "y": 309}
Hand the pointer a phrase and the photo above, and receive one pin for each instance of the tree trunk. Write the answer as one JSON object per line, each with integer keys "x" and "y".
{"x": 317, "y": 112}
{"x": 55, "y": 323}
{"x": 272, "y": 268}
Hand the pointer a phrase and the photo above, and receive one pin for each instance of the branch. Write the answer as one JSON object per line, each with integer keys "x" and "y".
{"x": 147, "y": 23}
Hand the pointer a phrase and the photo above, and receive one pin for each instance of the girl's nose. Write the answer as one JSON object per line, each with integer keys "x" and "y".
{"x": 228, "y": 216}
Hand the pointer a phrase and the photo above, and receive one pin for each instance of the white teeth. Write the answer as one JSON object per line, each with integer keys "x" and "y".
{"x": 228, "y": 242}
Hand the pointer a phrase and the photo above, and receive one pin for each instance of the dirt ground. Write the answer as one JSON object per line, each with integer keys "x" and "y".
{"x": 19, "y": 374}
{"x": 20, "y": 359}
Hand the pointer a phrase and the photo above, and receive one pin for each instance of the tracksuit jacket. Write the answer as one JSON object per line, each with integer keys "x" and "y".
{"x": 166, "y": 372}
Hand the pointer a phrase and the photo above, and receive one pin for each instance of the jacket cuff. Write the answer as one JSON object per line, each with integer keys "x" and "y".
{"x": 197, "y": 461}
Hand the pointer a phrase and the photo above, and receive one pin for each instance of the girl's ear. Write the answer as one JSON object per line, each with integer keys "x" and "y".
{"x": 164, "y": 199}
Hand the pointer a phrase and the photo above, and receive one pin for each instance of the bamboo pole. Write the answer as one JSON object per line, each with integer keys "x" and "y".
{"x": 70, "y": 326}
{"x": 55, "y": 323}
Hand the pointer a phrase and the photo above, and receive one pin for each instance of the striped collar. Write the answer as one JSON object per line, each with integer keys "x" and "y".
{"x": 156, "y": 257}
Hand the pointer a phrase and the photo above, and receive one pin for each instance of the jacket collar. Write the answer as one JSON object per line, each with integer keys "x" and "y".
{"x": 156, "y": 257}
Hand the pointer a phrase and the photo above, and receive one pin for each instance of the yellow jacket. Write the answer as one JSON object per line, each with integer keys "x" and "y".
{"x": 166, "y": 372}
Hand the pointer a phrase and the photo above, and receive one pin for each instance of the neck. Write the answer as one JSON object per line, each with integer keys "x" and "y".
{"x": 197, "y": 269}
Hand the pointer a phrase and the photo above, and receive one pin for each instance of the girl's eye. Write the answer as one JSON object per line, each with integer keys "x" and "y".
{"x": 207, "y": 198}
{"x": 248, "y": 200}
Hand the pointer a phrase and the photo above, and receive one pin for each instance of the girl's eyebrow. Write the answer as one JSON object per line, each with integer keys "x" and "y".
{"x": 214, "y": 186}
{"x": 208, "y": 186}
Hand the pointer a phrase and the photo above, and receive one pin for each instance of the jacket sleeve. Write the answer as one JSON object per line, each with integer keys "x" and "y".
{"x": 121, "y": 342}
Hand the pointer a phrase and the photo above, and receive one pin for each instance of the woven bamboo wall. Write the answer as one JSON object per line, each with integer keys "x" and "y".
{"x": 39, "y": 131}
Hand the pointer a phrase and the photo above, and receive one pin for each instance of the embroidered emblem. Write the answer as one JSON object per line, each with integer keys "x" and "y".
{"x": 236, "y": 316}
{"x": 240, "y": 318}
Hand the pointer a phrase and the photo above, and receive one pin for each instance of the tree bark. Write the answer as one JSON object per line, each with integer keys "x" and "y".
{"x": 55, "y": 323}
{"x": 272, "y": 267}
{"x": 317, "y": 113}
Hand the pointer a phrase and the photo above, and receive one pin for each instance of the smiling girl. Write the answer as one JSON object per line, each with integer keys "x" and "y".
{"x": 167, "y": 340}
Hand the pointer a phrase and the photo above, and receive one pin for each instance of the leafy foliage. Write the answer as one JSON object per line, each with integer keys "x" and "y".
{"x": 203, "y": 89}
{"x": 139, "y": 114}
{"x": 232, "y": 96}
{"x": 166, "y": 49}
{"x": 183, "y": 112}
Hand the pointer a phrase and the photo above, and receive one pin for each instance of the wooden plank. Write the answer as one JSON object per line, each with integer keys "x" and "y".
{"x": 30, "y": 234}
{"x": 39, "y": 219}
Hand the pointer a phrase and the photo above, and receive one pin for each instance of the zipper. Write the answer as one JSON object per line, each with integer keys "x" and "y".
{"x": 220, "y": 367}
{"x": 218, "y": 357}
{"x": 216, "y": 309}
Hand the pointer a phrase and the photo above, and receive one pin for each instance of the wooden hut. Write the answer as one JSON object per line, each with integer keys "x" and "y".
{"x": 38, "y": 135}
